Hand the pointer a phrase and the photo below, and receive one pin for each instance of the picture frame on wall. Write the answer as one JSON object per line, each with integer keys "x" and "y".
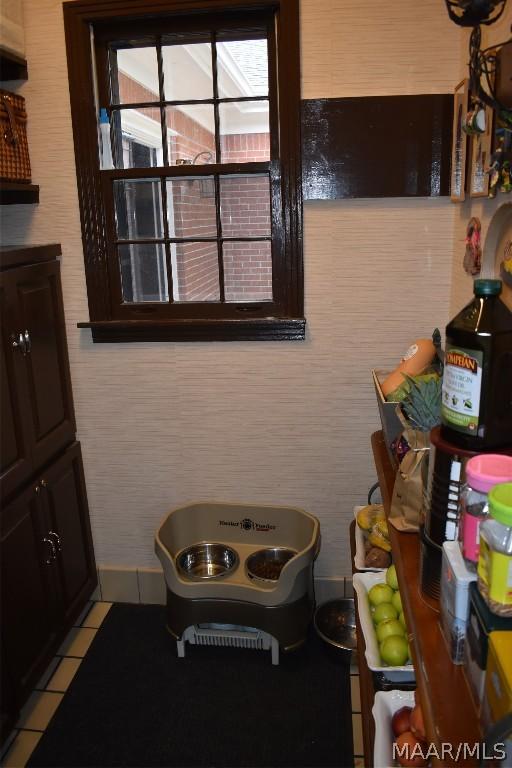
{"x": 459, "y": 142}
{"x": 480, "y": 153}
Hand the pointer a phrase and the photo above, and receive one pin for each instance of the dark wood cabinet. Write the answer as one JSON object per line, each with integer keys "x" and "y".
{"x": 48, "y": 570}
{"x": 28, "y": 605}
{"x": 64, "y": 496}
{"x": 37, "y": 405}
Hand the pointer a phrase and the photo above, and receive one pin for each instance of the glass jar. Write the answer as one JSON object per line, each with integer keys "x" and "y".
{"x": 495, "y": 559}
{"x": 482, "y": 473}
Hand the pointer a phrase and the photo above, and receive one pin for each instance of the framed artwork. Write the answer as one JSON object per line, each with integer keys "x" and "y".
{"x": 459, "y": 142}
{"x": 481, "y": 151}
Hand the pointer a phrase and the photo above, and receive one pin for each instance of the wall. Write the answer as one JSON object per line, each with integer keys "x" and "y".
{"x": 483, "y": 208}
{"x": 288, "y": 423}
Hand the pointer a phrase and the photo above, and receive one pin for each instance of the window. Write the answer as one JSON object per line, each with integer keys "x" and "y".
{"x": 192, "y": 216}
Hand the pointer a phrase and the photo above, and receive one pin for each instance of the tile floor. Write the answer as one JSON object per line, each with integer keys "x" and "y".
{"x": 52, "y": 687}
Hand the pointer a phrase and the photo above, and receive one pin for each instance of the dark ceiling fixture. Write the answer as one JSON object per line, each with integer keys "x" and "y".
{"x": 483, "y": 63}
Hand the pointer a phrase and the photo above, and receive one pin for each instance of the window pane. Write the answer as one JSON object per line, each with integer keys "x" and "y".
{"x": 138, "y": 208}
{"x": 247, "y": 271}
{"x": 195, "y": 269}
{"x": 143, "y": 272}
{"x": 242, "y": 67}
{"x": 137, "y": 76}
{"x": 187, "y": 72}
{"x": 244, "y": 132}
{"x": 137, "y": 138}
{"x": 191, "y": 207}
{"x": 191, "y": 135}
{"x": 245, "y": 206}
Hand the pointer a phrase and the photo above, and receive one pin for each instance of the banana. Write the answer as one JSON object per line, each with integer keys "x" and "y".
{"x": 367, "y": 516}
{"x": 381, "y": 527}
{"x": 378, "y": 540}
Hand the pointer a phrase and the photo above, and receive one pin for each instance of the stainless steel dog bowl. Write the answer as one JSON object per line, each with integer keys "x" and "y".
{"x": 335, "y": 623}
{"x": 206, "y": 561}
{"x": 267, "y": 564}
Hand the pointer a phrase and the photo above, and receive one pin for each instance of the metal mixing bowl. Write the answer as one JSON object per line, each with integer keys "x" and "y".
{"x": 335, "y": 622}
{"x": 267, "y": 564}
{"x": 206, "y": 561}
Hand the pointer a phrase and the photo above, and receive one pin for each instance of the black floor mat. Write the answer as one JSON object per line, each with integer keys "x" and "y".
{"x": 134, "y": 703}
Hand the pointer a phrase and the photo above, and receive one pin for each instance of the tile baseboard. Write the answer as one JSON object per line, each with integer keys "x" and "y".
{"x": 147, "y": 586}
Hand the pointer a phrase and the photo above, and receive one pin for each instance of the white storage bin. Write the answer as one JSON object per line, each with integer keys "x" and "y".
{"x": 455, "y": 580}
{"x": 386, "y": 703}
{"x": 363, "y": 582}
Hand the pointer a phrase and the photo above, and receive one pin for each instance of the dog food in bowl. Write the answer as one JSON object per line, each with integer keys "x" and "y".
{"x": 267, "y": 564}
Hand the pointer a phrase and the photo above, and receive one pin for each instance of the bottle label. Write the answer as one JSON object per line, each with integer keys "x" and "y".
{"x": 410, "y": 353}
{"x": 495, "y": 570}
{"x": 462, "y": 381}
{"x": 470, "y": 537}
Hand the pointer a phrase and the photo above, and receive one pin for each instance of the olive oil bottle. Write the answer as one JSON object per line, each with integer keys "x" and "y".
{"x": 476, "y": 411}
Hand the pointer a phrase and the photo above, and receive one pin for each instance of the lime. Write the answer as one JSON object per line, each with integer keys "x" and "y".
{"x": 383, "y": 612}
{"x": 388, "y": 628}
{"x": 394, "y": 650}
{"x": 391, "y": 578}
{"x": 397, "y": 601}
{"x": 380, "y": 593}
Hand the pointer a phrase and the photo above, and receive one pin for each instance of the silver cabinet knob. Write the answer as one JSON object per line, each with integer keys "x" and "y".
{"x": 53, "y": 556}
{"x": 58, "y": 542}
{"x": 28, "y": 342}
{"x": 18, "y": 343}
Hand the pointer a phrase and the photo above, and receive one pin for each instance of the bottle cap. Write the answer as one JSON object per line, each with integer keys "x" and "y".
{"x": 500, "y": 503}
{"x": 487, "y": 470}
{"x": 487, "y": 287}
{"x": 103, "y": 115}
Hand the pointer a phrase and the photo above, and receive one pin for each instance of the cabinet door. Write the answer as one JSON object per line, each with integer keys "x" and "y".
{"x": 9, "y": 706}
{"x": 68, "y": 514}
{"x": 15, "y": 460}
{"x": 49, "y": 408}
{"x": 28, "y": 605}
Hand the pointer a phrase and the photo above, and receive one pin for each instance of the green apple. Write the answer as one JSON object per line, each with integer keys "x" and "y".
{"x": 394, "y": 650}
{"x": 380, "y": 593}
{"x": 383, "y": 612}
{"x": 391, "y": 578}
{"x": 397, "y": 601}
{"x": 388, "y": 628}
{"x": 401, "y": 619}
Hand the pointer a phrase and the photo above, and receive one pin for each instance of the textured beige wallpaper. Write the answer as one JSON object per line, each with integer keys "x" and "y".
{"x": 288, "y": 423}
{"x": 372, "y": 48}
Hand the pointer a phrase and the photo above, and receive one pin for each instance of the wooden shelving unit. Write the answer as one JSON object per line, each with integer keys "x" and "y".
{"x": 366, "y": 686}
{"x": 448, "y": 707}
{"x": 16, "y": 193}
{"x": 12, "y": 66}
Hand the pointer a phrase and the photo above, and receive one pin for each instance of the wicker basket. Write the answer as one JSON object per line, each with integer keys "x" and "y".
{"x": 14, "y": 159}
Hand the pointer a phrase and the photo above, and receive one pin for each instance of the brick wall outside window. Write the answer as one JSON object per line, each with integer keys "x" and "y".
{"x": 244, "y": 208}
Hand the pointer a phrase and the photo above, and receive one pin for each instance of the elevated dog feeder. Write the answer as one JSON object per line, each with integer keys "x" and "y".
{"x": 239, "y": 574}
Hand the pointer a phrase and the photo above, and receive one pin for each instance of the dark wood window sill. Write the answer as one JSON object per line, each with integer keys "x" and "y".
{"x": 255, "y": 329}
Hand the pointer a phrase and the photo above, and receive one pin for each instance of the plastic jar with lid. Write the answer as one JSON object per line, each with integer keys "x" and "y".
{"x": 495, "y": 559}
{"x": 482, "y": 473}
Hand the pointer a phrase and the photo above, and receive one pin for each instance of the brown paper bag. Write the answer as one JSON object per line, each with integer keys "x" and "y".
{"x": 407, "y": 501}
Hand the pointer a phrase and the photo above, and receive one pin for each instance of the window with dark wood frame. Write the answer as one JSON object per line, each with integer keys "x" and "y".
{"x": 174, "y": 223}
